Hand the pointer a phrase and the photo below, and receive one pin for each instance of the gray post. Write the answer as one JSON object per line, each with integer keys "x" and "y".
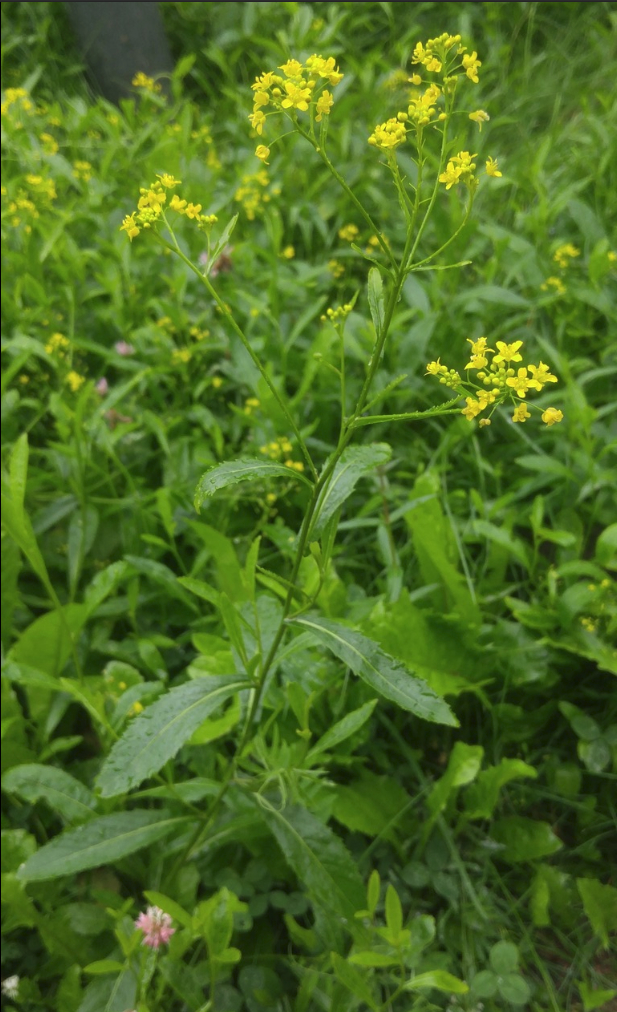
{"x": 118, "y": 40}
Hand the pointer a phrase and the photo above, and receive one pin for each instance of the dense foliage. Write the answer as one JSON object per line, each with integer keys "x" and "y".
{"x": 275, "y": 745}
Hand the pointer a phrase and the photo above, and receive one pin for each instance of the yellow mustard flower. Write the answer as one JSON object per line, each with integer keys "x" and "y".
{"x": 176, "y": 204}
{"x": 521, "y": 414}
{"x": 519, "y": 383}
{"x": 168, "y": 181}
{"x": 551, "y": 416}
{"x": 292, "y": 69}
{"x": 492, "y": 168}
{"x": 262, "y": 153}
{"x": 388, "y": 135}
{"x": 289, "y": 253}
{"x": 479, "y": 117}
{"x": 541, "y": 375}
{"x": 142, "y": 80}
{"x": 508, "y": 352}
{"x": 470, "y": 66}
{"x": 324, "y": 104}
{"x": 75, "y": 381}
{"x": 130, "y": 226}
{"x": 555, "y": 283}
{"x": 336, "y": 268}
{"x": 217, "y": 382}
{"x": 298, "y": 96}
{"x": 57, "y": 342}
{"x": 565, "y": 253}
{"x": 348, "y": 233}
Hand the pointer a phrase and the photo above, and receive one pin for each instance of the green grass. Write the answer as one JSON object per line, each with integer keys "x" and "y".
{"x": 482, "y": 559}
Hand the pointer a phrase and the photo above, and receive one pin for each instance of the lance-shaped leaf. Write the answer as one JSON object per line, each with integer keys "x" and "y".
{"x": 100, "y": 841}
{"x": 319, "y": 859}
{"x": 376, "y": 299}
{"x": 157, "y": 734}
{"x": 355, "y": 461}
{"x": 343, "y": 729}
{"x": 386, "y": 675}
{"x": 58, "y": 789}
{"x": 244, "y": 469}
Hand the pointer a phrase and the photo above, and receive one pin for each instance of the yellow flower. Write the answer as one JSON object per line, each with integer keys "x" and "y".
{"x": 450, "y": 176}
{"x": 324, "y": 104}
{"x": 556, "y": 283}
{"x": 289, "y": 253}
{"x": 588, "y": 623}
{"x": 508, "y": 352}
{"x": 435, "y": 369}
{"x": 263, "y": 82}
{"x": 262, "y": 152}
{"x": 541, "y": 375}
{"x": 563, "y": 254}
{"x": 470, "y": 66}
{"x": 136, "y": 708}
{"x": 24, "y": 379}
{"x": 168, "y": 181}
{"x": 416, "y": 80}
{"x": 257, "y": 120}
{"x": 348, "y": 233}
{"x": 484, "y": 421}
{"x": 521, "y": 414}
{"x": 292, "y": 69}
{"x": 217, "y": 382}
{"x": 56, "y": 343}
{"x": 50, "y": 144}
{"x": 178, "y": 205}
{"x": 75, "y": 381}
{"x": 192, "y": 210}
{"x": 492, "y": 169}
{"x": 270, "y": 498}
{"x": 130, "y": 226}
{"x": 142, "y": 80}
{"x": 180, "y": 355}
{"x": 551, "y": 416}
{"x": 295, "y": 465}
{"x": 473, "y": 408}
{"x": 298, "y": 96}
{"x": 336, "y": 268}
{"x": 479, "y": 117}
{"x": 82, "y": 170}
{"x": 388, "y": 135}
{"x": 519, "y": 383}
{"x": 478, "y": 347}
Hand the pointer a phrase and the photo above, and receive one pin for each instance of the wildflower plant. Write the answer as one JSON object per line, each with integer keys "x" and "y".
{"x": 300, "y": 96}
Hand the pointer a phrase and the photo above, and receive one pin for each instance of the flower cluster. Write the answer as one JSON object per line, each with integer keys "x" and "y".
{"x": 563, "y": 255}
{"x": 252, "y": 193}
{"x": 500, "y": 381}
{"x": 445, "y": 56}
{"x": 146, "y": 83}
{"x": 278, "y": 448}
{"x": 338, "y": 315}
{"x": 151, "y": 204}
{"x": 300, "y": 89}
{"x": 83, "y": 171}
{"x": 57, "y": 345}
{"x": 13, "y": 95}
{"x": 156, "y": 927}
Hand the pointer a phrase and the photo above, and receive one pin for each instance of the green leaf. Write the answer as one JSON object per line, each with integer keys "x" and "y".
{"x": 463, "y": 766}
{"x": 593, "y": 999}
{"x": 157, "y": 734}
{"x": 221, "y": 242}
{"x": 342, "y": 730}
{"x": 514, "y": 988}
{"x": 606, "y": 547}
{"x": 62, "y": 792}
{"x": 383, "y": 673}
{"x": 170, "y": 907}
{"x": 436, "y": 548}
{"x": 245, "y": 469}
{"x": 318, "y": 858}
{"x": 101, "y": 966}
{"x": 376, "y": 299}
{"x": 370, "y": 804}
{"x": 101, "y": 841}
{"x": 355, "y": 461}
{"x": 373, "y": 959}
{"x": 394, "y": 913}
{"x": 504, "y": 957}
{"x": 524, "y": 839}
{"x": 484, "y": 984}
{"x": 46, "y": 644}
{"x": 353, "y": 980}
{"x": 372, "y": 891}
{"x": 482, "y": 797}
{"x": 18, "y": 470}
{"x": 441, "y": 980}
{"x": 600, "y": 905}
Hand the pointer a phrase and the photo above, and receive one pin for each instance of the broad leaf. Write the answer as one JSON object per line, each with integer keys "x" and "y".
{"x": 62, "y": 792}
{"x": 46, "y": 644}
{"x": 319, "y": 859}
{"x": 383, "y": 673}
{"x": 482, "y": 797}
{"x": 353, "y": 980}
{"x": 355, "y": 461}
{"x": 600, "y": 903}
{"x": 245, "y": 469}
{"x": 157, "y": 734}
{"x": 524, "y": 839}
{"x": 101, "y": 841}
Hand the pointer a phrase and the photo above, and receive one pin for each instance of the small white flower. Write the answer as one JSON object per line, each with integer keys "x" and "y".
{"x": 10, "y": 986}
